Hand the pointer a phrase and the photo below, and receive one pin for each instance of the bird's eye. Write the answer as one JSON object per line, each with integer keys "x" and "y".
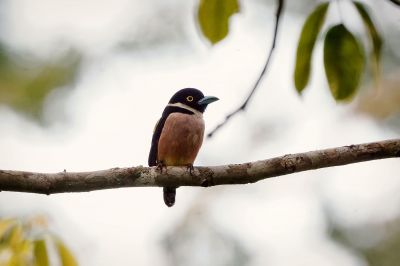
{"x": 189, "y": 98}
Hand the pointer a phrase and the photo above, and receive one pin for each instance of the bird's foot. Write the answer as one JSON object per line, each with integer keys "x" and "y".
{"x": 160, "y": 166}
{"x": 190, "y": 168}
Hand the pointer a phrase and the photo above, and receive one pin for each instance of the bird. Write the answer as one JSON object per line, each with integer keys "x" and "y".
{"x": 178, "y": 134}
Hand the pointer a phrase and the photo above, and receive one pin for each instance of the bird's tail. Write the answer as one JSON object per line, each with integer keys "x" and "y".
{"x": 169, "y": 196}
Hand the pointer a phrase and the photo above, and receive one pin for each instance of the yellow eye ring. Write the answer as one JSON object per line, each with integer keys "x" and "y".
{"x": 189, "y": 98}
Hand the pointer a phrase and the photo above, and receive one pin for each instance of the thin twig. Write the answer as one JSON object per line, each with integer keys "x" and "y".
{"x": 205, "y": 176}
{"x": 396, "y": 2}
{"x": 245, "y": 103}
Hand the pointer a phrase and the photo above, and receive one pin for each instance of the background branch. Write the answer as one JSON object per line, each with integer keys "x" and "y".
{"x": 244, "y": 104}
{"x": 202, "y": 176}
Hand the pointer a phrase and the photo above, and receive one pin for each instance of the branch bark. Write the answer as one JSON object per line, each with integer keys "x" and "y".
{"x": 139, "y": 176}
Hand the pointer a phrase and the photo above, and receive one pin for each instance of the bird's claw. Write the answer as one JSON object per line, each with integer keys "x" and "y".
{"x": 190, "y": 168}
{"x": 160, "y": 166}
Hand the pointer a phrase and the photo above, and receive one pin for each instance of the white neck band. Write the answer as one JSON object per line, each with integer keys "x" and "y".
{"x": 186, "y": 107}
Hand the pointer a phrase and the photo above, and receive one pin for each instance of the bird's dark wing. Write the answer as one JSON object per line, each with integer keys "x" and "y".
{"x": 154, "y": 141}
{"x": 158, "y": 129}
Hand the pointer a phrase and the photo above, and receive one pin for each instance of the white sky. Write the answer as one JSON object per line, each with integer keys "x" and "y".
{"x": 109, "y": 116}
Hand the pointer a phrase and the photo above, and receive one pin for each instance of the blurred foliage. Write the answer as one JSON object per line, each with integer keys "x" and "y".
{"x": 29, "y": 243}
{"x": 25, "y": 82}
{"x": 344, "y": 62}
{"x": 376, "y": 40}
{"x": 377, "y": 244}
{"x": 66, "y": 257}
{"x": 383, "y": 104}
{"x": 196, "y": 240}
{"x": 40, "y": 252}
{"x": 213, "y": 16}
{"x": 386, "y": 253}
{"x": 343, "y": 55}
{"x": 308, "y": 37}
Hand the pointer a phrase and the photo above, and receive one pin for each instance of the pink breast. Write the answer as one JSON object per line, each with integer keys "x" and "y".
{"x": 180, "y": 139}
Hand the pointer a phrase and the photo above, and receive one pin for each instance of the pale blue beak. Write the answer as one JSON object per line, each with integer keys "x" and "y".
{"x": 207, "y": 100}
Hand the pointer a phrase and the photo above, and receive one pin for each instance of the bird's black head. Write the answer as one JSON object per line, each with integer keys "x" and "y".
{"x": 192, "y": 98}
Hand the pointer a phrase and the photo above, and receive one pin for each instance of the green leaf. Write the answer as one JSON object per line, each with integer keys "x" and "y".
{"x": 25, "y": 87}
{"x": 16, "y": 237}
{"x": 375, "y": 38}
{"x": 308, "y": 37}
{"x": 5, "y": 226}
{"x": 213, "y": 16}
{"x": 344, "y": 62}
{"x": 66, "y": 257}
{"x": 3, "y": 56}
{"x": 40, "y": 252}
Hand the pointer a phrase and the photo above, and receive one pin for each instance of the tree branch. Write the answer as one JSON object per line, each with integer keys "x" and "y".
{"x": 253, "y": 90}
{"x": 202, "y": 176}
